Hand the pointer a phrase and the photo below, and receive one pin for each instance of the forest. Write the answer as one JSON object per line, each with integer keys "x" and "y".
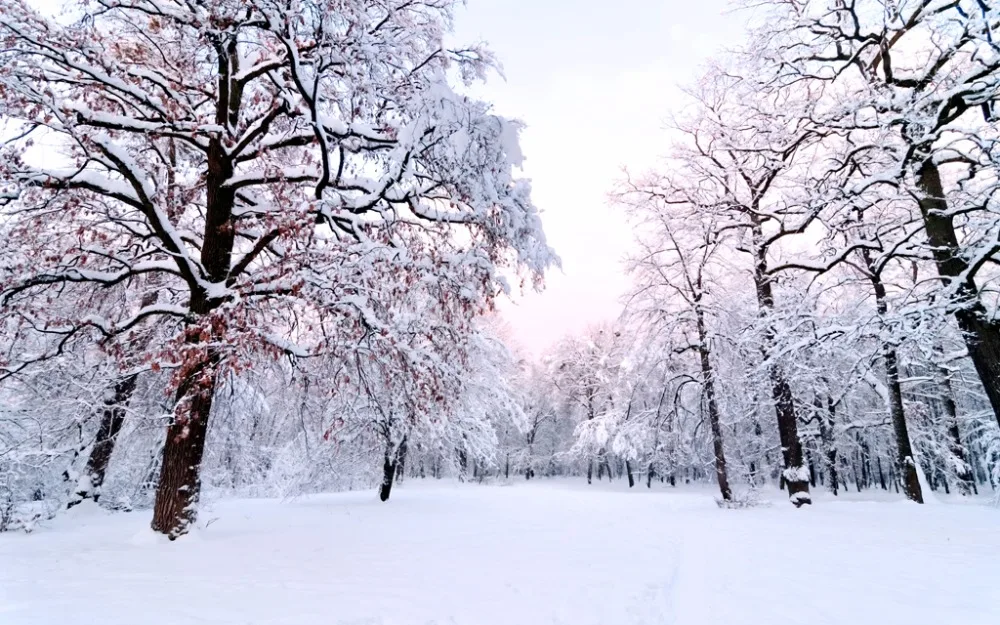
{"x": 255, "y": 249}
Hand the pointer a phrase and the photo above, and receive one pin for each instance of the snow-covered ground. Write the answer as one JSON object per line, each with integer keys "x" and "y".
{"x": 556, "y": 552}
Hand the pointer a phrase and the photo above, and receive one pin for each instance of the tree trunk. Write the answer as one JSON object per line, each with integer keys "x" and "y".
{"x": 649, "y": 476}
{"x": 796, "y": 476}
{"x": 904, "y": 450}
{"x": 865, "y": 459}
{"x": 714, "y": 419}
{"x": 965, "y": 481}
{"x": 112, "y": 419}
{"x": 463, "y": 465}
{"x": 980, "y": 331}
{"x": 628, "y": 472}
{"x": 388, "y": 474}
{"x": 401, "y": 462}
{"x": 180, "y": 474}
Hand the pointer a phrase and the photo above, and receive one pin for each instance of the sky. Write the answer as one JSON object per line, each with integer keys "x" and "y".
{"x": 594, "y": 81}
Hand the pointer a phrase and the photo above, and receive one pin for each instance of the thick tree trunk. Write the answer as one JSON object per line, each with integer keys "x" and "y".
{"x": 628, "y": 472}
{"x": 112, "y": 419}
{"x": 795, "y": 474}
{"x": 980, "y": 331}
{"x": 180, "y": 474}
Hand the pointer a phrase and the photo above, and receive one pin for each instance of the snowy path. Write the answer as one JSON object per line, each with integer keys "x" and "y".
{"x": 554, "y": 553}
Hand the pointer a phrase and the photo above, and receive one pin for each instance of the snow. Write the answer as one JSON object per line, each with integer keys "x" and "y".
{"x": 547, "y": 552}
{"x": 796, "y": 474}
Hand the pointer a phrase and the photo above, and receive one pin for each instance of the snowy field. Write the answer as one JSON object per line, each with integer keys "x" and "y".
{"x": 545, "y": 553}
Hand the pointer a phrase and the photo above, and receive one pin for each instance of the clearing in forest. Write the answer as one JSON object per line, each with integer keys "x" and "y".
{"x": 549, "y": 552}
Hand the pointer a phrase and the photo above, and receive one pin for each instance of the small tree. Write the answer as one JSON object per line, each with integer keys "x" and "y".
{"x": 672, "y": 297}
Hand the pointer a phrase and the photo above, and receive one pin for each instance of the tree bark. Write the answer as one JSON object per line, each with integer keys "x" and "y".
{"x": 179, "y": 487}
{"x": 980, "y": 331}
{"x": 628, "y": 472}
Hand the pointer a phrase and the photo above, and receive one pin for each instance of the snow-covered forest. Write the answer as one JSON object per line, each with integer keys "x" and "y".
{"x": 258, "y": 248}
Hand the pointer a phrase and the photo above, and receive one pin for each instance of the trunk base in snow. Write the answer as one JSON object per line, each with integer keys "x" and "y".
{"x": 180, "y": 476}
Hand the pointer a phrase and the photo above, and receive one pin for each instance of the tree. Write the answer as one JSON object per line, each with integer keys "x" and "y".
{"x": 926, "y": 74}
{"x": 673, "y": 273}
{"x": 734, "y": 165}
{"x": 280, "y": 167}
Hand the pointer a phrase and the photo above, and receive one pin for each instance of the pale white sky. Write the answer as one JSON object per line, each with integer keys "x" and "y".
{"x": 594, "y": 81}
